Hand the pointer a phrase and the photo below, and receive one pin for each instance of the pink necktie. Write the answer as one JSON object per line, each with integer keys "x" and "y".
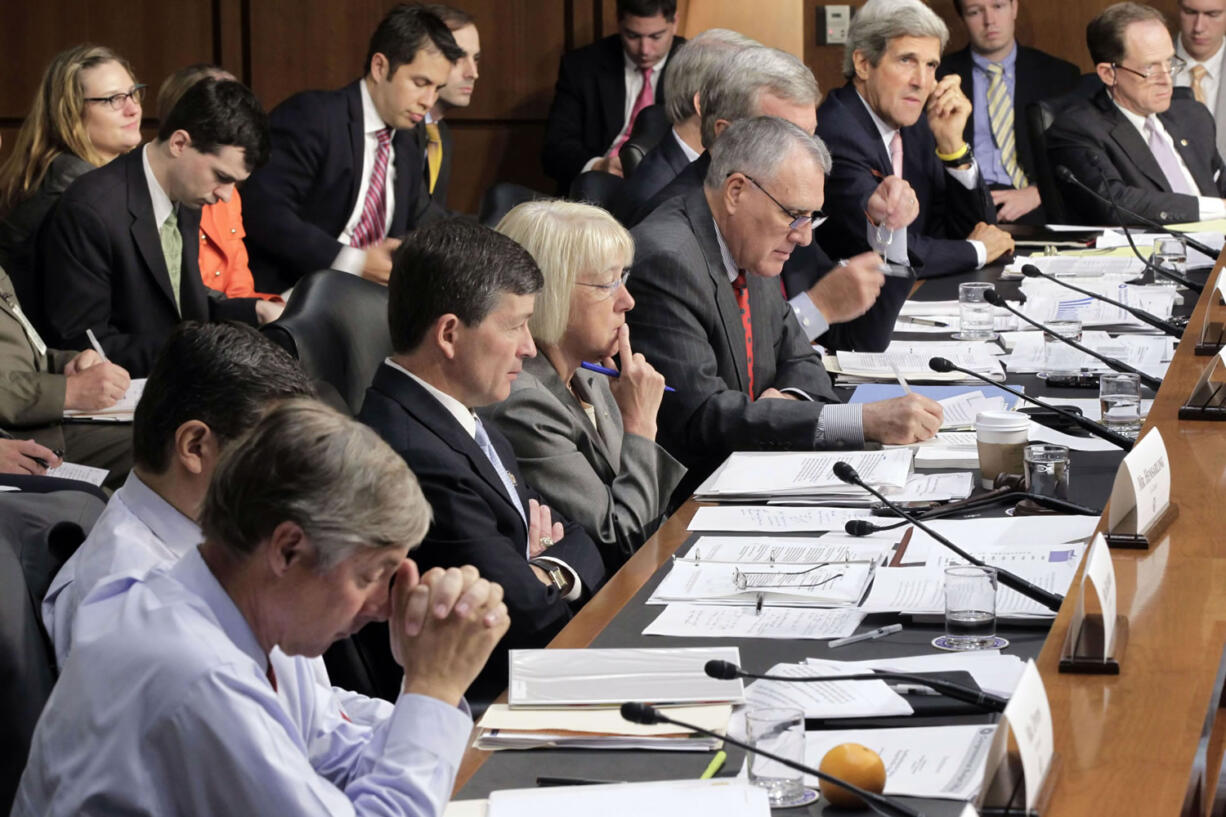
{"x": 1168, "y": 160}
{"x": 645, "y": 98}
{"x": 372, "y": 224}
{"x": 896, "y": 153}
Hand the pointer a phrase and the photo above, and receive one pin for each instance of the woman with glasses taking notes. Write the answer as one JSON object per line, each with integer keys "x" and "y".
{"x": 86, "y": 112}
{"x": 588, "y": 437}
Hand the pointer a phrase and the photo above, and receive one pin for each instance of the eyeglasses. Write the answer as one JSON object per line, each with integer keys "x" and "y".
{"x": 1170, "y": 67}
{"x": 799, "y": 220}
{"x": 608, "y": 289}
{"x": 118, "y": 101}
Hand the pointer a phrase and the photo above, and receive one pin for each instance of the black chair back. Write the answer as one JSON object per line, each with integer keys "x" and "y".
{"x": 650, "y": 126}
{"x": 595, "y": 187}
{"x": 336, "y": 325}
{"x": 1039, "y": 117}
{"x": 500, "y": 198}
{"x": 38, "y": 532}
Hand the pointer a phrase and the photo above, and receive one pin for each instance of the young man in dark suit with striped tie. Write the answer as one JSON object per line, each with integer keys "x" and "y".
{"x": 435, "y": 135}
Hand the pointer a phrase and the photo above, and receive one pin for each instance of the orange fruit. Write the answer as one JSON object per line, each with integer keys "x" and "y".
{"x": 855, "y": 764}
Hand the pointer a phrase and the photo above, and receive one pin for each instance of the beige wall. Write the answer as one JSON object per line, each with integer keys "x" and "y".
{"x": 777, "y": 23}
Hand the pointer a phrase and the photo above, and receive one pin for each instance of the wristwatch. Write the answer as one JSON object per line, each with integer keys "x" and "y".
{"x": 555, "y": 573}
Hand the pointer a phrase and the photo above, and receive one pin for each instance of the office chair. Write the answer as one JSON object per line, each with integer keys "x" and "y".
{"x": 500, "y": 197}
{"x": 595, "y": 187}
{"x": 650, "y": 126}
{"x": 38, "y": 532}
{"x": 335, "y": 324}
{"x": 1039, "y": 117}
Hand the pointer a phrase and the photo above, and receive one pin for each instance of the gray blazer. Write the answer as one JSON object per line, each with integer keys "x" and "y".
{"x": 687, "y": 323}
{"x": 616, "y": 485}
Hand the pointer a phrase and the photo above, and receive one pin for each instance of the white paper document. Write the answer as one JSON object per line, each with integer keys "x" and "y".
{"x": 827, "y": 699}
{"x": 772, "y": 519}
{"x": 682, "y": 620}
{"x": 502, "y": 727}
{"x": 1039, "y": 433}
{"x": 921, "y": 590}
{"x": 1081, "y": 266}
{"x": 750, "y": 552}
{"x": 995, "y": 673}
{"x": 960, "y": 410}
{"x": 122, "y": 411}
{"x": 821, "y": 585}
{"x": 914, "y": 363}
{"x": 788, "y": 473}
{"x": 711, "y": 798}
{"x": 921, "y": 761}
{"x": 84, "y": 473}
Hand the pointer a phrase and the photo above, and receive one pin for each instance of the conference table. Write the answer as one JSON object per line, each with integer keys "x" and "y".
{"x": 1144, "y": 742}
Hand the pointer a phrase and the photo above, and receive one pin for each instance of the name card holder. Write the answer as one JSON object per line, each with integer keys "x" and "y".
{"x": 1095, "y": 642}
{"x": 1141, "y": 508}
{"x": 1213, "y": 328}
{"x": 1005, "y": 794}
{"x": 1208, "y": 398}
{"x": 1022, "y": 768}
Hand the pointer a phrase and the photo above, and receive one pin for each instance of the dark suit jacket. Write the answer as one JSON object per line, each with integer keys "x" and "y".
{"x": 948, "y": 211}
{"x": 687, "y": 323}
{"x": 102, "y": 268}
{"x": 659, "y": 167}
{"x": 474, "y": 520}
{"x": 1103, "y": 149}
{"x": 589, "y": 106}
{"x": 1039, "y": 76}
{"x": 297, "y": 204}
{"x": 439, "y": 196}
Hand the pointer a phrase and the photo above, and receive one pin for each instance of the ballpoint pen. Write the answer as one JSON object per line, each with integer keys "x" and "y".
{"x": 880, "y": 632}
{"x": 606, "y": 371}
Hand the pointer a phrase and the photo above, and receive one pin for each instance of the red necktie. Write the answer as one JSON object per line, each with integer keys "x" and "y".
{"x": 742, "y": 301}
{"x": 371, "y": 225}
{"x": 645, "y": 98}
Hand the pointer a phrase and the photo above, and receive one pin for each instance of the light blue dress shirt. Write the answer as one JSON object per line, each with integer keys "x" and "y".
{"x": 986, "y": 151}
{"x": 165, "y": 708}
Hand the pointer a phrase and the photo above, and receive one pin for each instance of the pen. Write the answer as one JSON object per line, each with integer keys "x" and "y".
{"x": 925, "y": 321}
{"x": 902, "y": 381}
{"x": 757, "y": 608}
{"x": 42, "y": 462}
{"x": 714, "y": 766}
{"x": 573, "y": 781}
{"x": 592, "y": 367}
{"x": 880, "y": 632}
{"x": 93, "y": 341}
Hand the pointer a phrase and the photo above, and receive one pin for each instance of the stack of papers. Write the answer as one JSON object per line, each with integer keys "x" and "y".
{"x": 948, "y": 449}
{"x": 773, "y": 519}
{"x": 121, "y": 412}
{"x": 828, "y": 699}
{"x": 945, "y": 312}
{"x": 1047, "y": 302}
{"x": 1149, "y": 353}
{"x": 502, "y": 727}
{"x": 913, "y": 363}
{"x": 801, "y": 584}
{"x": 993, "y": 672}
{"x": 683, "y": 620}
{"x": 960, "y": 410}
{"x": 749, "y": 475}
{"x": 710, "y": 798}
{"x": 1081, "y": 266}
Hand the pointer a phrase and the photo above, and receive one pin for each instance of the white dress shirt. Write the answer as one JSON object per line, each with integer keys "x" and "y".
{"x": 351, "y": 259}
{"x": 468, "y": 421}
{"x": 165, "y": 707}
{"x": 968, "y": 178}
{"x": 1210, "y": 207}
{"x": 690, "y": 153}
{"x": 1211, "y": 81}
{"x": 634, "y": 84}
{"x": 838, "y": 422}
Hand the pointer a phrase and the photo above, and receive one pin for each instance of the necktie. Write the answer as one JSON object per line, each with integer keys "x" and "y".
{"x": 172, "y": 251}
{"x": 1167, "y": 160}
{"x": 741, "y": 288}
{"x": 434, "y": 153}
{"x": 645, "y": 98}
{"x": 1198, "y": 73}
{"x": 482, "y": 439}
{"x": 372, "y": 224}
{"x": 896, "y": 153}
{"x": 1000, "y": 115}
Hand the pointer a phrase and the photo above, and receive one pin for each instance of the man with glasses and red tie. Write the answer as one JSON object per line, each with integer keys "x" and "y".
{"x": 319, "y": 203}
{"x": 1137, "y": 141}
{"x": 709, "y": 317}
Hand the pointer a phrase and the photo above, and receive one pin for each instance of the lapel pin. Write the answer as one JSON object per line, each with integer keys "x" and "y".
{"x": 1183, "y": 142}
{"x": 511, "y": 477}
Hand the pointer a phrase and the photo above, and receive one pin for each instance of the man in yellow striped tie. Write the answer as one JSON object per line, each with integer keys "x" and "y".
{"x": 435, "y": 137}
{"x": 1202, "y": 31}
{"x": 1003, "y": 78}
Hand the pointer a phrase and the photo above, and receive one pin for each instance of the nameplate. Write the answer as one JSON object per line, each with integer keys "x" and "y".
{"x": 1221, "y": 285}
{"x": 1028, "y": 718}
{"x": 1099, "y": 573}
{"x": 1142, "y": 490}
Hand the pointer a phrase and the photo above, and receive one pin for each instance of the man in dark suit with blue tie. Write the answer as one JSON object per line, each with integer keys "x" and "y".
{"x": 118, "y": 255}
{"x": 460, "y": 296}
{"x": 345, "y": 179}
{"x": 893, "y": 117}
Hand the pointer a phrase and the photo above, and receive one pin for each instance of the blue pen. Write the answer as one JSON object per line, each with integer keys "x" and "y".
{"x": 592, "y": 367}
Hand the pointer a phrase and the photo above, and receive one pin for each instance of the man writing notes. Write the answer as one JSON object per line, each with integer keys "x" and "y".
{"x": 710, "y": 319}
{"x": 1154, "y": 154}
{"x": 322, "y": 203}
{"x": 893, "y": 117}
{"x": 196, "y": 682}
{"x": 602, "y": 87}
{"x": 1202, "y": 30}
{"x": 1003, "y": 78}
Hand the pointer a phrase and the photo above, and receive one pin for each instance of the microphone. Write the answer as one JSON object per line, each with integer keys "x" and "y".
{"x": 863, "y": 527}
{"x": 1031, "y": 271}
{"x": 1050, "y": 600}
{"x": 940, "y": 364}
{"x": 728, "y": 671}
{"x": 1064, "y": 174}
{"x": 647, "y": 714}
{"x": 993, "y": 297}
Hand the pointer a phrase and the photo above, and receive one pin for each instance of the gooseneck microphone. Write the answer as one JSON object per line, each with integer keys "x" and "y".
{"x": 647, "y": 714}
{"x": 940, "y": 364}
{"x": 1031, "y": 271}
{"x": 727, "y": 671}
{"x": 863, "y": 527}
{"x": 993, "y": 297}
{"x": 1051, "y": 601}
{"x": 1064, "y": 174}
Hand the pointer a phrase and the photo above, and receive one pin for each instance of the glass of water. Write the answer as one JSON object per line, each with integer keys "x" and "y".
{"x": 1171, "y": 253}
{"x": 1060, "y": 359}
{"x": 1046, "y": 470}
{"x": 779, "y": 730}
{"x": 1119, "y": 397}
{"x": 970, "y": 608}
{"x": 975, "y": 318}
